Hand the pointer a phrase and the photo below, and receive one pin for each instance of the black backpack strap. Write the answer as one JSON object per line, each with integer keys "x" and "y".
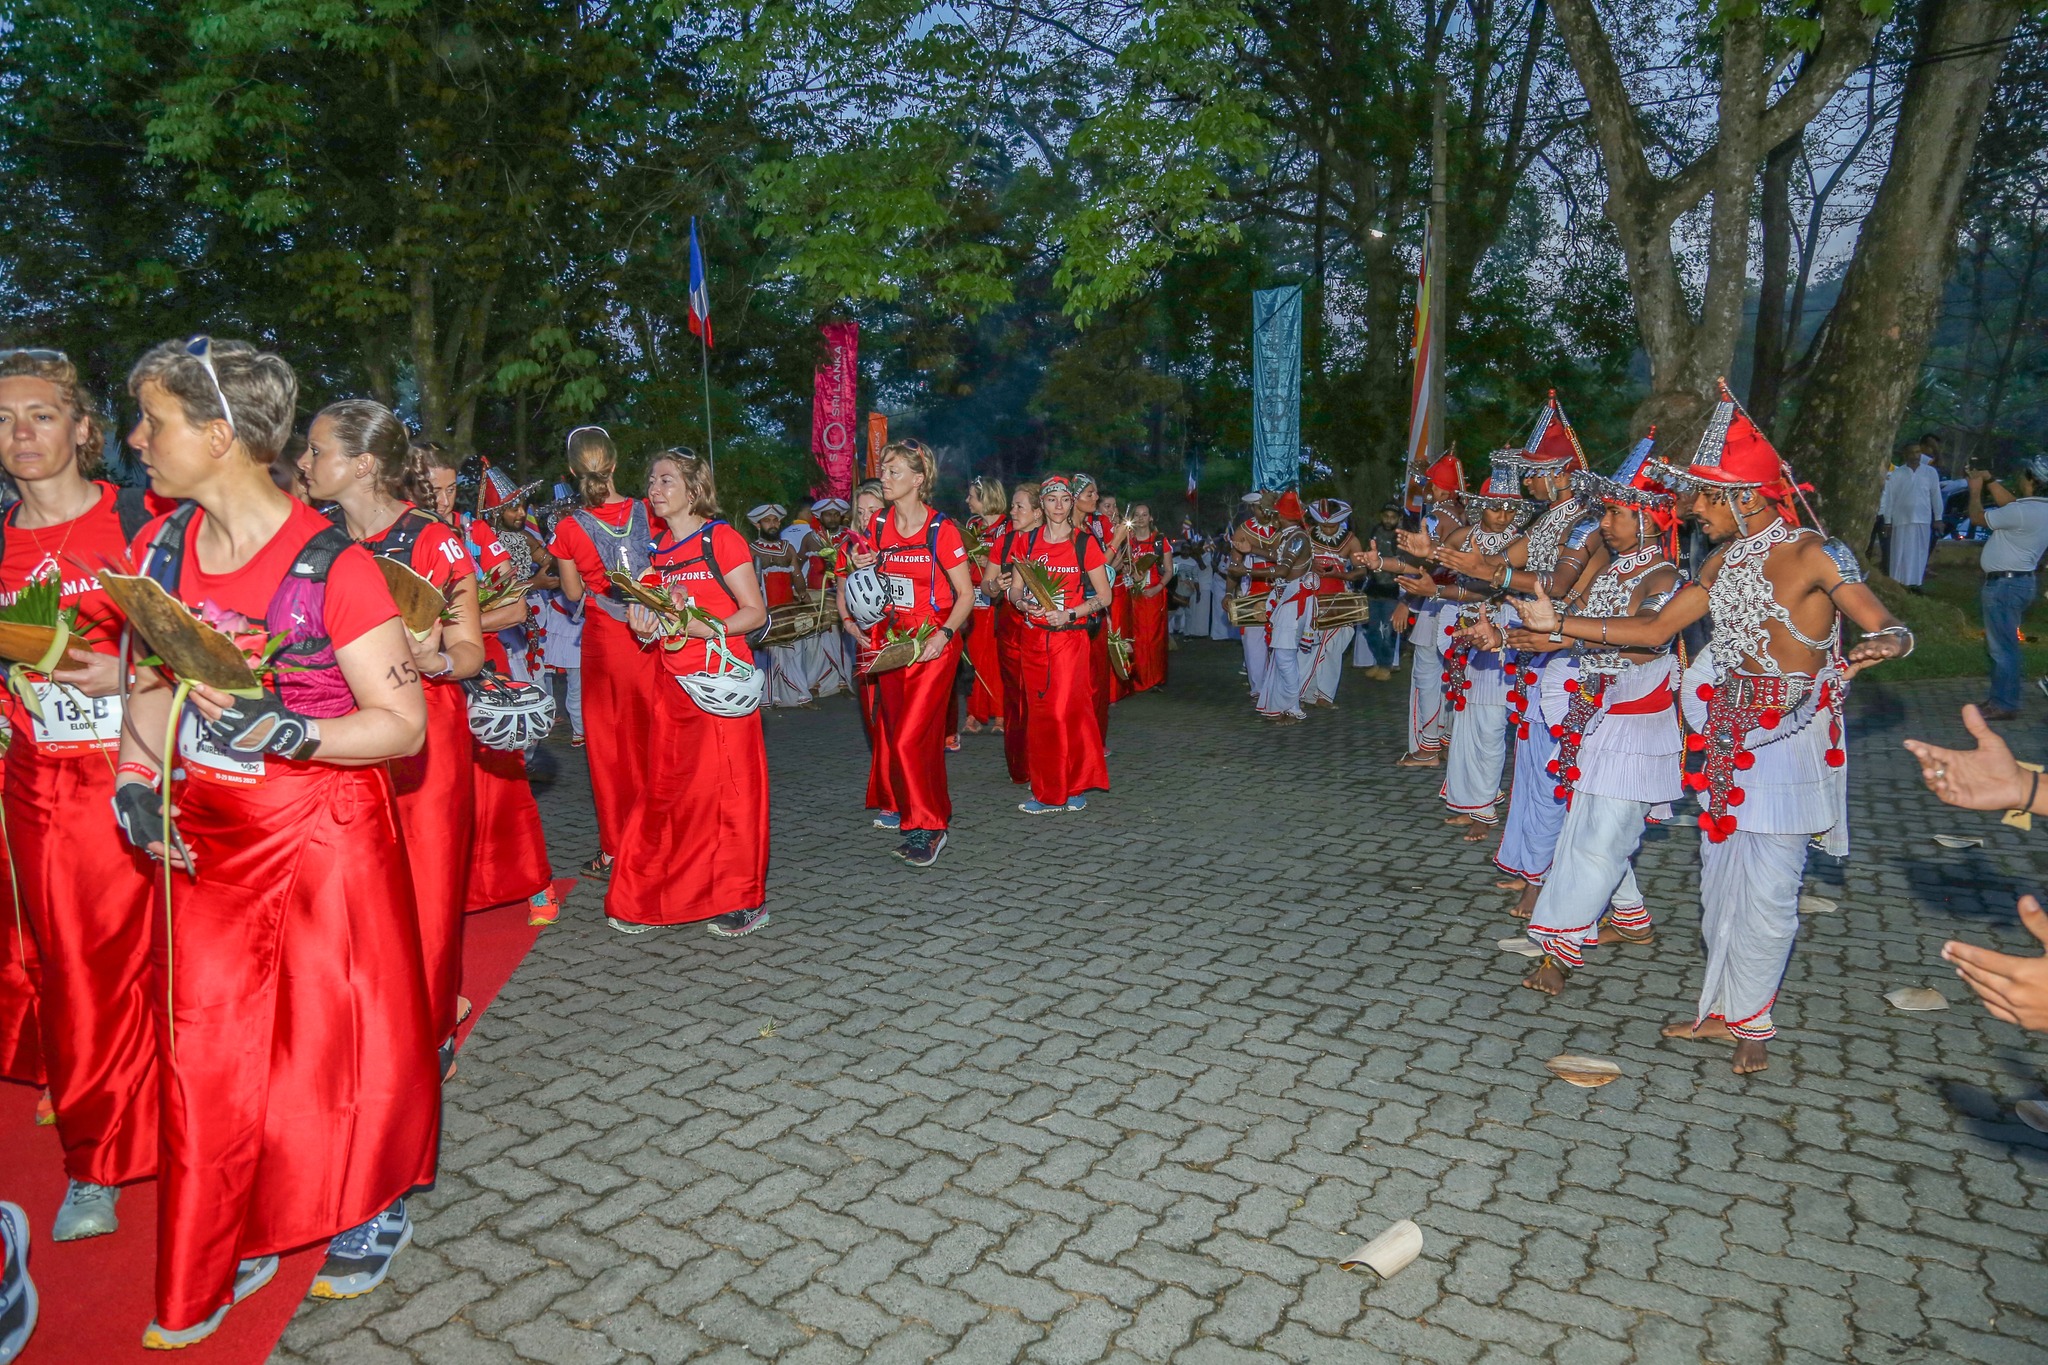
{"x": 319, "y": 554}
{"x": 709, "y": 560}
{"x": 164, "y": 560}
{"x": 1082, "y": 538}
{"x": 131, "y": 505}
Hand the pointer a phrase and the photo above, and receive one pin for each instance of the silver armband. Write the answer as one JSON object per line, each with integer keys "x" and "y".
{"x": 1845, "y": 559}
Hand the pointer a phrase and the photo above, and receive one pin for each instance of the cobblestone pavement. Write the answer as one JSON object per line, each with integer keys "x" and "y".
{"x": 1125, "y": 1086}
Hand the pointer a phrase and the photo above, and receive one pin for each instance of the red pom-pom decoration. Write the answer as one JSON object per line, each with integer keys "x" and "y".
{"x": 1571, "y": 774}
{"x": 1836, "y": 758}
{"x": 1551, "y": 767}
{"x": 1571, "y": 685}
{"x": 1695, "y": 744}
{"x": 1521, "y": 732}
{"x": 1696, "y": 782}
{"x": 1769, "y": 719}
{"x": 1745, "y": 760}
{"x": 1557, "y": 732}
{"x": 1519, "y": 702}
{"x": 1561, "y": 792}
{"x": 1458, "y": 705}
{"x": 1705, "y": 692}
{"x": 1736, "y": 796}
{"x": 1706, "y": 823}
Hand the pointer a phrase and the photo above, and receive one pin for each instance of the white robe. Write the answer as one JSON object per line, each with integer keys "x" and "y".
{"x": 1914, "y": 499}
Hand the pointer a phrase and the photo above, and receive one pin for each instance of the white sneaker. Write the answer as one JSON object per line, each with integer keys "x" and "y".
{"x": 87, "y": 1211}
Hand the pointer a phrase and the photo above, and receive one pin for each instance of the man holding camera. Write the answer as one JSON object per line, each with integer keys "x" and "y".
{"x": 2019, "y": 533}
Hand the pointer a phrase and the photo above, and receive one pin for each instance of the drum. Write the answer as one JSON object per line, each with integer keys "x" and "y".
{"x": 1342, "y": 609}
{"x": 793, "y": 621}
{"x": 1245, "y": 611}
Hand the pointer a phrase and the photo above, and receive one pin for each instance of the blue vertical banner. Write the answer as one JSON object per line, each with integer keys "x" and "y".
{"x": 1276, "y": 387}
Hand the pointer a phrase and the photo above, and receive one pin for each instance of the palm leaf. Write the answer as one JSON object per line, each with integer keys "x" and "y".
{"x": 420, "y": 603}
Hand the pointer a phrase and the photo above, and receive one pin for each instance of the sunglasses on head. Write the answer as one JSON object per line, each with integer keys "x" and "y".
{"x": 38, "y": 354}
{"x": 200, "y": 348}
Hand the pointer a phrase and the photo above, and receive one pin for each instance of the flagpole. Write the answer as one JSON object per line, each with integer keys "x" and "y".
{"x": 1439, "y": 252}
{"x": 704, "y": 356}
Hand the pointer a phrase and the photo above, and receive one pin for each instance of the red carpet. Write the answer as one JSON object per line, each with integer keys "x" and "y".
{"x": 97, "y": 1295}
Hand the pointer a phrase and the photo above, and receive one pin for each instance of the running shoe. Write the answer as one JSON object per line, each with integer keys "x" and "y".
{"x": 46, "y": 1110}
{"x": 359, "y": 1259}
{"x": 952, "y": 744}
{"x": 888, "y": 819}
{"x": 627, "y": 926}
{"x": 17, "y": 1290}
{"x": 600, "y": 866}
{"x": 87, "y": 1211}
{"x": 250, "y": 1276}
{"x": 923, "y": 847}
{"x": 575, "y": 741}
{"x": 1034, "y": 806}
{"x": 543, "y": 907}
{"x": 1076, "y": 803}
{"x": 738, "y": 923}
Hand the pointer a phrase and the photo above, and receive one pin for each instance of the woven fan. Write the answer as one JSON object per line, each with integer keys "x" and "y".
{"x": 420, "y": 603}
{"x": 633, "y": 590}
{"x": 972, "y": 540}
{"x": 1120, "y": 655}
{"x": 189, "y": 648}
{"x": 28, "y": 644}
{"x": 1143, "y": 565}
{"x": 898, "y": 651}
{"x": 1039, "y": 583}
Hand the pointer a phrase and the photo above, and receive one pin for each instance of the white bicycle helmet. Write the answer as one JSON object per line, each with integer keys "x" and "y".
{"x": 504, "y": 714}
{"x": 867, "y": 601}
{"x": 728, "y": 687}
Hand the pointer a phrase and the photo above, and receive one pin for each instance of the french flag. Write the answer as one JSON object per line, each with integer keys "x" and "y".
{"x": 700, "y": 291}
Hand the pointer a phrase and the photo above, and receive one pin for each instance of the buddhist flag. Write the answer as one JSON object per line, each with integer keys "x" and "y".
{"x": 1428, "y": 358}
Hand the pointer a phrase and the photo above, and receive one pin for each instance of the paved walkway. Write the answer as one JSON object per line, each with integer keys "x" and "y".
{"x": 1125, "y": 1085}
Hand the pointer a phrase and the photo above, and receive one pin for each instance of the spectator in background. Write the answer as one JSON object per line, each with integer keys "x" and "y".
{"x": 2019, "y": 534}
{"x": 1385, "y": 594}
{"x": 1912, "y": 504}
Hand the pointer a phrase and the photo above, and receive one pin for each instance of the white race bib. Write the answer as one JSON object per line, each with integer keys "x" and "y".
{"x": 902, "y": 592}
{"x": 206, "y": 759}
{"x": 72, "y": 722}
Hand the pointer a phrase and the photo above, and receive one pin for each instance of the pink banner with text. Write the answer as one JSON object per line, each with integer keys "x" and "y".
{"x": 834, "y": 413}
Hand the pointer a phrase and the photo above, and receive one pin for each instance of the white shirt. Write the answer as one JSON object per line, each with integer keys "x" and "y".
{"x": 1917, "y": 499}
{"x": 2019, "y": 535}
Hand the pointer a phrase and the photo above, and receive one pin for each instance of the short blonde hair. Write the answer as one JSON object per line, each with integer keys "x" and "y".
{"x": 918, "y": 458}
{"x": 258, "y": 385}
{"x": 990, "y": 493}
{"x": 697, "y": 479}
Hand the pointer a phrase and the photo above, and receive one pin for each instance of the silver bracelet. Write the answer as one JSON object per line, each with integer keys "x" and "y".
{"x": 1901, "y": 629}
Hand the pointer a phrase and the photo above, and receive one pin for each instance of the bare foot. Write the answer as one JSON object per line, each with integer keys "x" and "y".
{"x": 1416, "y": 761}
{"x": 973, "y": 726}
{"x": 1706, "y": 1031}
{"x": 1610, "y": 934}
{"x": 1459, "y": 819}
{"x": 1511, "y": 884}
{"x": 1548, "y": 977}
{"x": 1527, "y": 903}
{"x": 1749, "y": 1057}
{"x": 1477, "y": 832}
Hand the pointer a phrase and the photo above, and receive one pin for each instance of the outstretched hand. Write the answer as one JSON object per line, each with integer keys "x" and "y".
{"x": 1538, "y": 612}
{"x": 1468, "y": 562}
{"x": 2013, "y": 988}
{"x": 1984, "y": 778}
{"x": 1414, "y": 544}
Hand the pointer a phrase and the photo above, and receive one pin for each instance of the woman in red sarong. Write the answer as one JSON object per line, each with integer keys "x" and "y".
{"x": 608, "y": 532}
{"x": 294, "y": 1044}
{"x": 695, "y": 847}
{"x": 509, "y": 857}
{"x": 1115, "y": 530}
{"x": 1024, "y": 516}
{"x": 1064, "y": 749}
{"x": 81, "y": 915}
{"x": 1148, "y": 598}
{"x": 923, "y": 564}
{"x": 360, "y": 458}
{"x": 1087, "y": 498}
{"x": 987, "y": 501}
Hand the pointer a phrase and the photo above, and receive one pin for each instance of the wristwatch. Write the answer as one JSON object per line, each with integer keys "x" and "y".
{"x": 1557, "y": 632}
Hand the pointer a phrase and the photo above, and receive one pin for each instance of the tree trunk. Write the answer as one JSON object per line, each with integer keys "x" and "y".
{"x": 1877, "y": 334}
{"x": 426, "y": 354}
{"x": 1767, "y": 352}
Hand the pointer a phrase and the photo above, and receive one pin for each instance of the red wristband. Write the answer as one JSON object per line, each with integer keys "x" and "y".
{"x": 141, "y": 770}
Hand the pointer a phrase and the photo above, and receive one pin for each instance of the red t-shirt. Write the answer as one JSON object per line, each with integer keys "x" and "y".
{"x": 438, "y": 554}
{"x": 919, "y": 591}
{"x": 355, "y": 603}
{"x": 991, "y": 531}
{"x": 1067, "y": 561}
{"x": 1154, "y": 544}
{"x": 572, "y": 542}
{"x": 680, "y": 564}
{"x": 73, "y": 723}
{"x": 487, "y": 551}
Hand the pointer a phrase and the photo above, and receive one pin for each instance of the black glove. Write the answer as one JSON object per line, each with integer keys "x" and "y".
{"x": 263, "y": 725}
{"x": 139, "y": 811}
